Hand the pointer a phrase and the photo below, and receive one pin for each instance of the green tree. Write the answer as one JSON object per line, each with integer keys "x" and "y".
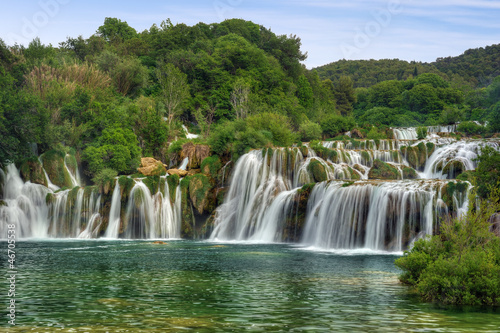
{"x": 304, "y": 92}
{"x": 345, "y": 96}
{"x": 114, "y": 30}
{"x": 174, "y": 89}
{"x": 116, "y": 149}
{"x": 487, "y": 171}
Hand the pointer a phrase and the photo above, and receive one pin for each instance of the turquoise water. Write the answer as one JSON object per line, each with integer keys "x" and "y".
{"x": 139, "y": 286}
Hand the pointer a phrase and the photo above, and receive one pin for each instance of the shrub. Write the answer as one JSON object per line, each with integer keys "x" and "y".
{"x": 470, "y": 128}
{"x": 310, "y": 131}
{"x": 421, "y": 132}
{"x": 104, "y": 179}
{"x": 462, "y": 264}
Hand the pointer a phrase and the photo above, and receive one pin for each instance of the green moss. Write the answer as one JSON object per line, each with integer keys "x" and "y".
{"x": 199, "y": 188}
{"x": 466, "y": 175}
{"x": 346, "y": 184}
{"x": 50, "y": 199}
{"x": 71, "y": 163}
{"x": 304, "y": 150}
{"x": 365, "y": 156}
{"x": 53, "y": 162}
{"x": 409, "y": 173}
{"x": 153, "y": 183}
{"x": 317, "y": 170}
{"x": 453, "y": 169}
{"x": 211, "y": 165}
{"x": 381, "y": 170}
{"x": 354, "y": 174}
{"x": 3, "y": 203}
{"x": 126, "y": 185}
{"x": 32, "y": 170}
{"x": 173, "y": 182}
{"x": 430, "y": 148}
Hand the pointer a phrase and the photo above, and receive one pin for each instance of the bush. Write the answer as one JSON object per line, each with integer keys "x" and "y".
{"x": 116, "y": 149}
{"x": 333, "y": 125}
{"x": 105, "y": 179}
{"x": 470, "y": 128}
{"x": 461, "y": 265}
{"x": 310, "y": 131}
{"x": 421, "y": 133}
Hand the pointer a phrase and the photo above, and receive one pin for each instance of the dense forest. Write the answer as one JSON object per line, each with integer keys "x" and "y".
{"x": 122, "y": 94}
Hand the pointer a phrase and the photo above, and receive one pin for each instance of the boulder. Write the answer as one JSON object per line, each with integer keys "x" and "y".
{"x": 151, "y": 167}
{"x": 178, "y": 172}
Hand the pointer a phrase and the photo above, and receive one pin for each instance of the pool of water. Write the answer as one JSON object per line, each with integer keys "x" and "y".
{"x": 139, "y": 286}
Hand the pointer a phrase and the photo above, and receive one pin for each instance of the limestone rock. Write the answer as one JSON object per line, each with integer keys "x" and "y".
{"x": 151, "y": 167}
{"x": 178, "y": 172}
{"x": 195, "y": 153}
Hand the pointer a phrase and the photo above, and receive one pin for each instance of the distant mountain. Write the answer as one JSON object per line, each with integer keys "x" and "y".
{"x": 476, "y": 66}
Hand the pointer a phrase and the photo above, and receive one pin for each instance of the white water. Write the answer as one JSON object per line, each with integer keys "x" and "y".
{"x": 114, "y": 214}
{"x": 189, "y": 135}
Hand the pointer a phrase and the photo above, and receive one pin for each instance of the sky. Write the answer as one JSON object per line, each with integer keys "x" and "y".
{"x": 419, "y": 30}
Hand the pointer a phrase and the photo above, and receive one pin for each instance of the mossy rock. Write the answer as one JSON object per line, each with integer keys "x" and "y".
{"x": 317, "y": 170}
{"x": 153, "y": 183}
{"x": 173, "y": 182}
{"x": 211, "y": 165}
{"x": 416, "y": 155}
{"x": 453, "y": 169}
{"x": 3, "y": 203}
{"x": 53, "y": 163}
{"x": 199, "y": 189}
{"x": 382, "y": 170}
{"x": 32, "y": 170}
{"x": 354, "y": 174}
{"x": 430, "y": 148}
{"x": 304, "y": 150}
{"x": 71, "y": 163}
{"x": 126, "y": 185}
{"x": 409, "y": 173}
{"x": 187, "y": 222}
{"x": 366, "y": 156}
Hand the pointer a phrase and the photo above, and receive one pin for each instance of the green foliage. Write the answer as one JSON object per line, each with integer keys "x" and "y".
{"x": 278, "y": 125}
{"x": 310, "y": 131}
{"x": 470, "y": 128}
{"x": 461, "y": 265}
{"x": 487, "y": 171}
{"x": 344, "y": 95}
{"x": 374, "y": 134}
{"x": 333, "y": 125}
{"x": 382, "y": 170}
{"x": 421, "y": 133}
{"x": 104, "y": 179}
{"x": 494, "y": 118}
{"x": 211, "y": 166}
{"x": 317, "y": 170}
{"x": 304, "y": 92}
{"x": 114, "y": 30}
{"x": 116, "y": 149}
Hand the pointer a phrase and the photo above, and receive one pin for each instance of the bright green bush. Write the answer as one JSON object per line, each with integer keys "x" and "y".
{"x": 310, "y": 131}
{"x": 470, "y": 128}
{"x": 462, "y": 264}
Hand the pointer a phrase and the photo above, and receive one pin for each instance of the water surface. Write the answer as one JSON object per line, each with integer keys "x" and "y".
{"x": 139, "y": 286}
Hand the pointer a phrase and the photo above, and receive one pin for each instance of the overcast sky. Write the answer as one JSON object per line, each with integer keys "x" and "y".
{"x": 420, "y": 30}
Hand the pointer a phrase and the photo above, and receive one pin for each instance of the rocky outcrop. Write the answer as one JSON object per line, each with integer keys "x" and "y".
{"x": 32, "y": 170}
{"x": 151, "y": 167}
{"x": 195, "y": 153}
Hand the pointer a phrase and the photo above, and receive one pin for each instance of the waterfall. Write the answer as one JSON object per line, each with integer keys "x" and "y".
{"x": 75, "y": 178}
{"x": 409, "y": 133}
{"x": 114, "y": 214}
{"x": 460, "y": 155}
{"x": 385, "y": 216}
{"x": 184, "y": 164}
{"x": 257, "y": 195}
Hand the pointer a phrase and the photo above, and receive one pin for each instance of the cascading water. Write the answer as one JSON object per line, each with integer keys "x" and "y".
{"x": 146, "y": 215}
{"x": 261, "y": 188}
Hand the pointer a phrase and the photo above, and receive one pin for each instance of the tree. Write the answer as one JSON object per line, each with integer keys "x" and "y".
{"x": 174, "y": 89}
{"x": 304, "y": 92}
{"x": 114, "y": 29}
{"x": 239, "y": 98}
{"x": 344, "y": 95}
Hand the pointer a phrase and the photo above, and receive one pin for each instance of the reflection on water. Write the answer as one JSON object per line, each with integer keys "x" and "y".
{"x": 139, "y": 286}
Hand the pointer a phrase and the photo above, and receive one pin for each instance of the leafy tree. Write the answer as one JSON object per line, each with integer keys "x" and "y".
{"x": 174, "y": 89}
{"x": 304, "y": 92}
{"x": 494, "y": 119}
{"x": 116, "y": 149}
{"x": 487, "y": 171}
{"x": 344, "y": 95}
{"x": 114, "y": 30}
{"x": 310, "y": 131}
{"x": 239, "y": 98}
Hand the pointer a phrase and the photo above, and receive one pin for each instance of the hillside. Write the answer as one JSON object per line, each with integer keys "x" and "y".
{"x": 478, "y": 67}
